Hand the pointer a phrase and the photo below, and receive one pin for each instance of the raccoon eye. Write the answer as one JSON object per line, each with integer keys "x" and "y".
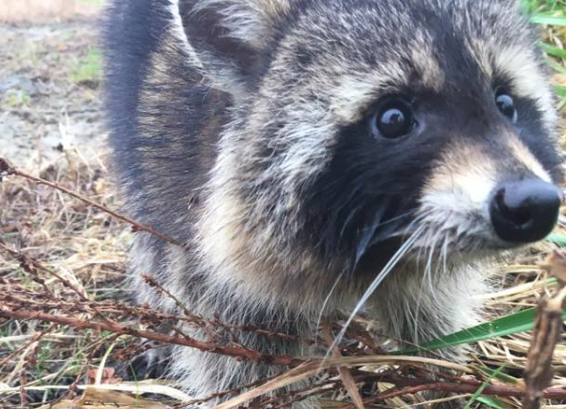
{"x": 506, "y": 105}
{"x": 394, "y": 119}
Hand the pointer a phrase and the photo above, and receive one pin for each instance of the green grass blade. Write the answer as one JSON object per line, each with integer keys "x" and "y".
{"x": 553, "y": 50}
{"x": 492, "y": 402}
{"x": 557, "y": 67}
{"x": 478, "y": 393}
{"x": 503, "y": 377}
{"x": 527, "y": 6}
{"x": 560, "y": 91}
{"x": 558, "y": 239}
{"x": 508, "y": 325}
{"x": 548, "y": 20}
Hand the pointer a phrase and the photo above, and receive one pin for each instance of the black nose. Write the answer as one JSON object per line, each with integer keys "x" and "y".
{"x": 525, "y": 211}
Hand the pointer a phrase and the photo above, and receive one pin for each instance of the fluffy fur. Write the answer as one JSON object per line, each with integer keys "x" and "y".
{"x": 240, "y": 127}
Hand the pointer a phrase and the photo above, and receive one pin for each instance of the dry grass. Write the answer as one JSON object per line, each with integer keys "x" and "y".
{"x": 85, "y": 246}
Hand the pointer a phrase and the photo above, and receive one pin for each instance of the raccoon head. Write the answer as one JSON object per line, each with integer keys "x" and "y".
{"x": 360, "y": 123}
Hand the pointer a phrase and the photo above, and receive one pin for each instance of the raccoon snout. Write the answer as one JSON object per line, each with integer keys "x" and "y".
{"x": 525, "y": 211}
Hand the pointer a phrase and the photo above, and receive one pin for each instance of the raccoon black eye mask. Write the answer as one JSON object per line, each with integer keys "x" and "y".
{"x": 521, "y": 211}
{"x": 317, "y": 156}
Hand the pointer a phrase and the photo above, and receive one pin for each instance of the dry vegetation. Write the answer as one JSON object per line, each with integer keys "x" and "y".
{"x": 67, "y": 323}
{"x": 69, "y": 337}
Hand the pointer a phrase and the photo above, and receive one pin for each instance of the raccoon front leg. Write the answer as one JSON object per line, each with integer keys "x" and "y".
{"x": 418, "y": 308}
{"x": 206, "y": 374}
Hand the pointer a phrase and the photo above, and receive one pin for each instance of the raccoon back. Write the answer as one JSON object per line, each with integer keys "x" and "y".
{"x": 164, "y": 119}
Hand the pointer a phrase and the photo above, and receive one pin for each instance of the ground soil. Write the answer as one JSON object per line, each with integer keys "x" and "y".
{"x": 35, "y": 11}
{"x": 49, "y": 79}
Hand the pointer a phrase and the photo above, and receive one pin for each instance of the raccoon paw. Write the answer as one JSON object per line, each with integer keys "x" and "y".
{"x": 151, "y": 364}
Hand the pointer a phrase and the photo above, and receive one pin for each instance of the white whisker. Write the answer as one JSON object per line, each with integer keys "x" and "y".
{"x": 327, "y": 300}
{"x": 426, "y": 280}
{"x": 376, "y": 282}
{"x": 444, "y": 255}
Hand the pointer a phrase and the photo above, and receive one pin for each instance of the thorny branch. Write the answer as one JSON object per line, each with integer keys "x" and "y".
{"x": 20, "y": 304}
{"x": 216, "y": 323}
{"x": 9, "y": 170}
{"x": 31, "y": 266}
{"x": 243, "y": 354}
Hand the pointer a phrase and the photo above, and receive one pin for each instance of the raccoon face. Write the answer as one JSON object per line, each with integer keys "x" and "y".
{"x": 362, "y": 123}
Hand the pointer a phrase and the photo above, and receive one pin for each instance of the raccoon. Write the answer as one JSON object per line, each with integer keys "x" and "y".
{"x": 315, "y": 155}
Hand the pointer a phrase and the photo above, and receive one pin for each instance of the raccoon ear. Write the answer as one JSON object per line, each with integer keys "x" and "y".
{"x": 229, "y": 37}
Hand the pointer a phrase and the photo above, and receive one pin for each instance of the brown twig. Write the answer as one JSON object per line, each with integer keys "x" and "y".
{"x": 415, "y": 386}
{"x": 546, "y": 335}
{"x": 30, "y": 266}
{"x": 203, "y": 322}
{"x": 243, "y": 354}
{"x": 303, "y": 394}
{"x": 224, "y": 394}
{"x": 345, "y": 373}
{"x": 34, "y": 339}
{"x": 7, "y": 169}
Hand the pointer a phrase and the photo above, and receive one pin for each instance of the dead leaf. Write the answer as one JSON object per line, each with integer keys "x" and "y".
{"x": 107, "y": 376}
{"x": 345, "y": 373}
{"x": 94, "y": 398}
{"x": 555, "y": 265}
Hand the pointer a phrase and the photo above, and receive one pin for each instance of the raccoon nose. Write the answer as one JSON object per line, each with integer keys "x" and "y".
{"x": 525, "y": 211}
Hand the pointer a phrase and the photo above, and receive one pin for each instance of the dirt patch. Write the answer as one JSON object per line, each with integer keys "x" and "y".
{"x": 17, "y": 11}
{"x": 49, "y": 90}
